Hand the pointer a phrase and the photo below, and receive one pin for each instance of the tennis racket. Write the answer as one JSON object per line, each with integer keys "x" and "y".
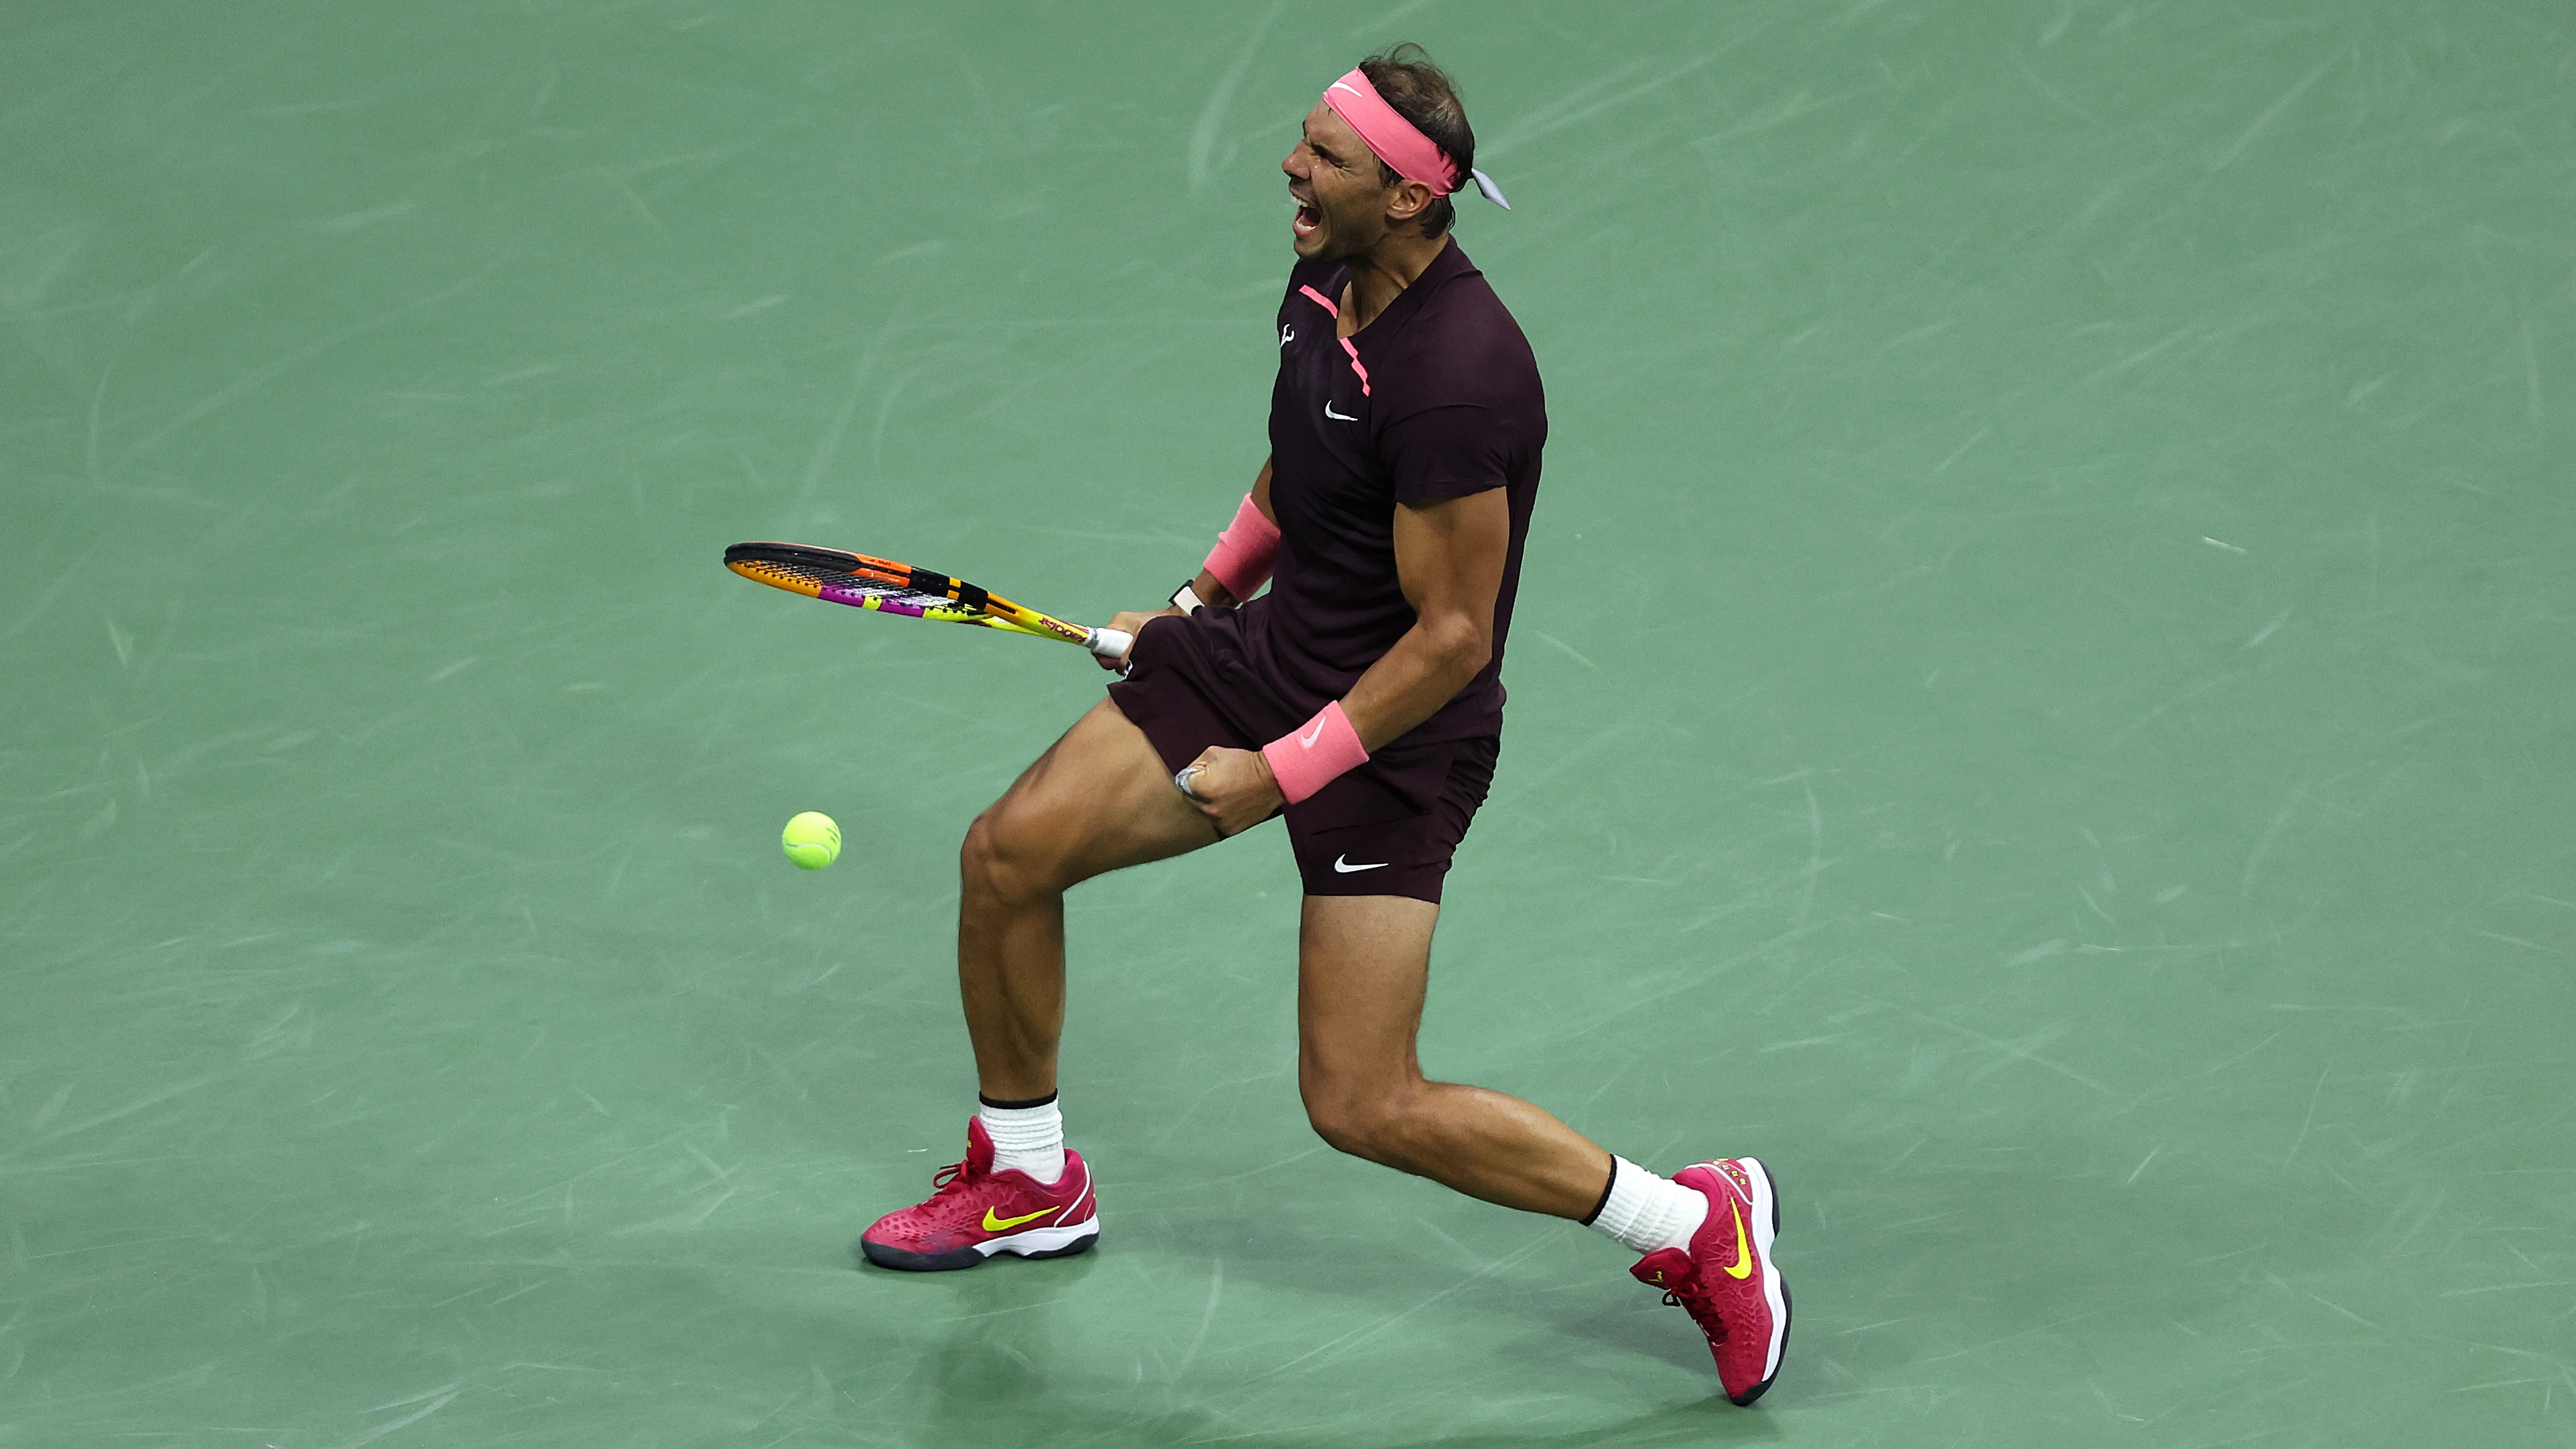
{"x": 888, "y": 587}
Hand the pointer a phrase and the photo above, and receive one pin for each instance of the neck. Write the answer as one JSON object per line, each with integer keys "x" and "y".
{"x": 1392, "y": 265}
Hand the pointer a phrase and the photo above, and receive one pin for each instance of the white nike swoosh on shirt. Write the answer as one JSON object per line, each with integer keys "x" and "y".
{"x": 1339, "y": 864}
{"x": 1338, "y": 417}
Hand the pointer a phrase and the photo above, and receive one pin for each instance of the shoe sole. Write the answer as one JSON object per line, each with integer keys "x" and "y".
{"x": 1035, "y": 1243}
{"x": 1775, "y": 1289}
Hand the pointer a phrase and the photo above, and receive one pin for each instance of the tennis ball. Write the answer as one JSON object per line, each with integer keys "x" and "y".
{"x": 811, "y": 840}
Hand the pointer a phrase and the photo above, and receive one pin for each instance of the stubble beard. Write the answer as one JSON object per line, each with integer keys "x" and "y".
{"x": 1336, "y": 251}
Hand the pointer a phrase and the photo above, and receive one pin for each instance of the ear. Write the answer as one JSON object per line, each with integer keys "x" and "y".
{"x": 1406, "y": 201}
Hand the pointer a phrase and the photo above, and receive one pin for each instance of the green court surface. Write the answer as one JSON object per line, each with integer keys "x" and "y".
{"x": 2041, "y": 706}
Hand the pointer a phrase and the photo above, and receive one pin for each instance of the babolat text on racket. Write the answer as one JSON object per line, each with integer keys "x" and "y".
{"x": 895, "y": 588}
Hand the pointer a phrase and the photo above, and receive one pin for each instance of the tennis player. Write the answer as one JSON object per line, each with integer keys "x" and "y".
{"x": 1360, "y": 697}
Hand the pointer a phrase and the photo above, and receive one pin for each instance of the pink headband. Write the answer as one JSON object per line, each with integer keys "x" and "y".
{"x": 1397, "y": 142}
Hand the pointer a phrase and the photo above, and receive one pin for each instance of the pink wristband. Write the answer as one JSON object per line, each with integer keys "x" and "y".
{"x": 1243, "y": 554}
{"x": 1305, "y": 761}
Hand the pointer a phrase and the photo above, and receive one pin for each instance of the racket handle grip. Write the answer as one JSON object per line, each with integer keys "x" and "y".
{"x": 1110, "y": 643}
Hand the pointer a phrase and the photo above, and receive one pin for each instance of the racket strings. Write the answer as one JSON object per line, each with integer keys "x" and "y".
{"x": 861, "y": 581}
{"x": 880, "y": 577}
{"x": 838, "y": 578}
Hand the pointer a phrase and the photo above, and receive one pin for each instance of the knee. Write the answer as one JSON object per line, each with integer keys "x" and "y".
{"x": 1365, "y": 1125}
{"x": 1003, "y": 858}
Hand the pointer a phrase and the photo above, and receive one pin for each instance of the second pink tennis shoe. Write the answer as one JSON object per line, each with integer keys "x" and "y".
{"x": 977, "y": 1212}
{"x": 1726, "y": 1280}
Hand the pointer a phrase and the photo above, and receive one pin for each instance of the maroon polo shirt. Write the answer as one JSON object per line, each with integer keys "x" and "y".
{"x": 1437, "y": 397}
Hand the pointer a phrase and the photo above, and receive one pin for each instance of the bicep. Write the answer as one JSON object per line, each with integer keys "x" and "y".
{"x": 1451, "y": 465}
{"x": 1449, "y": 555}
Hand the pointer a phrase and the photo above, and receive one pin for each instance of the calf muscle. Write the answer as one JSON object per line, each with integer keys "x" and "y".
{"x": 1363, "y": 965}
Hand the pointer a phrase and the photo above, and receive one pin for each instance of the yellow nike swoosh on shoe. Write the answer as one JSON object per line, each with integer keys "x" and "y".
{"x": 993, "y": 1224}
{"x": 1742, "y": 1267}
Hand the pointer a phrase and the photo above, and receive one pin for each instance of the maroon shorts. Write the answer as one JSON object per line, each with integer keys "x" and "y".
{"x": 1388, "y": 828}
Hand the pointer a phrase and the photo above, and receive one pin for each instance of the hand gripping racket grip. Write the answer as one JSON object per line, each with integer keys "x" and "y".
{"x": 1110, "y": 643}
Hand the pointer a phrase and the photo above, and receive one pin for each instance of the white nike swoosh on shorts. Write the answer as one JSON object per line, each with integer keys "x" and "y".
{"x": 1341, "y": 865}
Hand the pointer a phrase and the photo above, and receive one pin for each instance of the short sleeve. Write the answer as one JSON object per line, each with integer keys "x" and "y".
{"x": 1448, "y": 452}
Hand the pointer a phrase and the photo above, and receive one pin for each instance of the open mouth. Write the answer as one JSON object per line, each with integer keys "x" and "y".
{"x": 1309, "y": 216}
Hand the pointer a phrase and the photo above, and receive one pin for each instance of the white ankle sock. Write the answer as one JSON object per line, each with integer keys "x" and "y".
{"x": 1026, "y": 1139}
{"x": 1647, "y": 1212}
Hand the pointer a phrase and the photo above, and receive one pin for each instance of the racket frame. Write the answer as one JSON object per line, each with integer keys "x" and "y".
{"x": 887, "y": 586}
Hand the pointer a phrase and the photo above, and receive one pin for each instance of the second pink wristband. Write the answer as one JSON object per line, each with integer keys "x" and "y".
{"x": 1307, "y": 759}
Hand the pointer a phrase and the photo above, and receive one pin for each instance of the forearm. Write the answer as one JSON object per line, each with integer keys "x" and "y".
{"x": 1433, "y": 660}
{"x": 1449, "y": 555}
{"x": 1408, "y": 684}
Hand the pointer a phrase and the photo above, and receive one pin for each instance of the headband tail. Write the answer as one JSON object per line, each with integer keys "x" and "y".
{"x": 1485, "y": 186}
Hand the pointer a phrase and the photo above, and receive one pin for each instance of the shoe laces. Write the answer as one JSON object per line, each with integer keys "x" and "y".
{"x": 1701, "y": 1305}
{"x": 952, "y": 1178}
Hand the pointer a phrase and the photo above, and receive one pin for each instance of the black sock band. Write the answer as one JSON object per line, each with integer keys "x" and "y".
{"x": 1605, "y": 1193}
{"x": 1049, "y": 1097}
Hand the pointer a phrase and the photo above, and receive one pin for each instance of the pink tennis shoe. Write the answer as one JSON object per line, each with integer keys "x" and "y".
{"x": 977, "y": 1212}
{"x": 1726, "y": 1280}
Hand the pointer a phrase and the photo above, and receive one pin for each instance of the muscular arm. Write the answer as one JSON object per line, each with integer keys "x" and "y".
{"x": 1449, "y": 555}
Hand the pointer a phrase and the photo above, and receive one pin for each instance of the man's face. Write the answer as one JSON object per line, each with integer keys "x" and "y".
{"x": 1341, "y": 199}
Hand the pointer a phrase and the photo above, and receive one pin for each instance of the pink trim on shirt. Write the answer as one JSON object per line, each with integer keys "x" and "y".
{"x": 1321, "y": 300}
{"x": 1353, "y": 350}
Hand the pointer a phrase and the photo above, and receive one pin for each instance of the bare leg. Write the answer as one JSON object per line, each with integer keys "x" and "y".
{"x": 1362, "y": 964}
{"x": 1098, "y": 800}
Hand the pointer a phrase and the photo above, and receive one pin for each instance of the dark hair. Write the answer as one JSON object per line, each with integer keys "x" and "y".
{"x": 1424, "y": 94}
